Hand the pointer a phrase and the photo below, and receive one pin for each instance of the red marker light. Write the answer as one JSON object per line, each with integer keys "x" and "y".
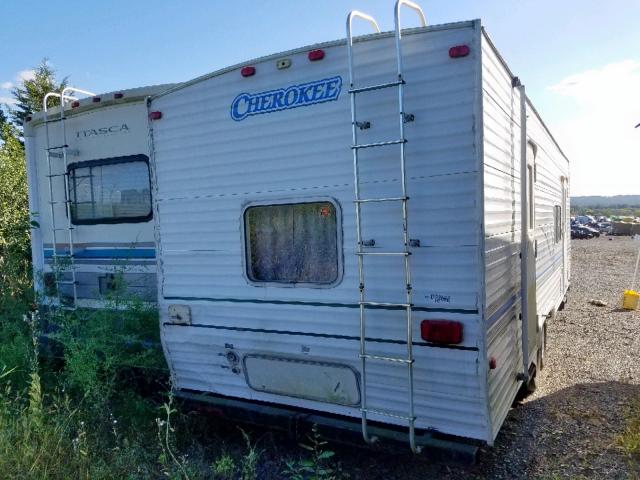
{"x": 118, "y": 95}
{"x": 315, "y": 55}
{"x": 75, "y": 104}
{"x": 95, "y": 99}
{"x": 155, "y": 115}
{"x": 459, "y": 51}
{"x": 493, "y": 363}
{"x": 248, "y": 71}
{"x": 441, "y": 331}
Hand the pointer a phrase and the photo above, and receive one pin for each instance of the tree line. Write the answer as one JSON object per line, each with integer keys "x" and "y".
{"x": 15, "y": 225}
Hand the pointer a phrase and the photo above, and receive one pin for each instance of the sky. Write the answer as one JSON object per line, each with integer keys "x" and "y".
{"x": 579, "y": 59}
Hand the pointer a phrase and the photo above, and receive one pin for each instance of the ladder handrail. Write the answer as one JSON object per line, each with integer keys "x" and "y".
{"x": 398, "y": 27}
{"x": 53, "y": 94}
{"x": 76, "y": 90}
{"x": 356, "y": 14}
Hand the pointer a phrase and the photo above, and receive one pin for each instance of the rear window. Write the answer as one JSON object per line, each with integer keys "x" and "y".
{"x": 292, "y": 243}
{"x": 112, "y": 190}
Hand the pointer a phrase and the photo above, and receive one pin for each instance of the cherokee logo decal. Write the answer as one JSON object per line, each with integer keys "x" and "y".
{"x": 319, "y": 91}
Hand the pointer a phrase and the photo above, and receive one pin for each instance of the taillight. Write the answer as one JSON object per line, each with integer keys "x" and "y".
{"x": 155, "y": 115}
{"x": 75, "y": 104}
{"x": 315, "y": 55}
{"x": 441, "y": 331}
{"x": 248, "y": 71}
{"x": 459, "y": 51}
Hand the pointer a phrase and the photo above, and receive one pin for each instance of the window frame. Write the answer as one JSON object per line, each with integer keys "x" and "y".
{"x": 557, "y": 224}
{"x": 244, "y": 239}
{"x": 99, "y": 163}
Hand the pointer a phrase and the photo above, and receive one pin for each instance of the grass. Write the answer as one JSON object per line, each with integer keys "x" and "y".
{"x": 629, "y": 440}
{"x": 86, "y": 395}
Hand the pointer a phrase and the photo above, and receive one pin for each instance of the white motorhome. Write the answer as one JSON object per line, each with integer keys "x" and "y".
{"x": 90, "y": 194}
{"x": 339, "y": 230}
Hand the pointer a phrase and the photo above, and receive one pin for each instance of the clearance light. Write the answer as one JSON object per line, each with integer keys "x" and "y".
{"x": 75, "y": 104}
{"x": 155, "y": 115}
{"x": 441, "y": 331}
{"x": 315, "y": 55}
{"x": 95, "y": 99}
{"x": 459, "y": 51}
{"x": 118, "y": 95}
{"x": 493, "y": 363}
{"x": 248, "y": 71}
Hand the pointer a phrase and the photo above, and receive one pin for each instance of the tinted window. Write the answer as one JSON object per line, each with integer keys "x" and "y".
{"x": 114, "y": 190}
{"x": 292, "y": 243}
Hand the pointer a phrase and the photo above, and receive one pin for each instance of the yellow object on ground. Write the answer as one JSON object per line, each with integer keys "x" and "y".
{"x": 630, "y": 300}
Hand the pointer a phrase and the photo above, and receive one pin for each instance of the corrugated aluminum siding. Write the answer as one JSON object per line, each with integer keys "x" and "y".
{"x": 501, "y": 118}
{"x": 209, "y": 167}
{"x": 502, "y": 157}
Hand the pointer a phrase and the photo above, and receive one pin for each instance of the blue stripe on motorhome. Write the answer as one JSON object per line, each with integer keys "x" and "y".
{"x": 106, "y": 253}
{"x": 502, "y": 310}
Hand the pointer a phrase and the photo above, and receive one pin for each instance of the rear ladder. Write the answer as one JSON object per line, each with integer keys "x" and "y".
{"x": 403, "y": 198}
{"x": 58, "y": 154}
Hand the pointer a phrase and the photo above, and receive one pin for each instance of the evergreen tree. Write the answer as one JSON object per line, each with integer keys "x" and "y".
{"x": 30, "y": 95}
{"x": 15, "y": 257}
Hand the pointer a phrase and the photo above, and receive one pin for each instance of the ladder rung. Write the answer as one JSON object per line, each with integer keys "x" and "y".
{"x": 69, "y": 307}
{"x": 386, "y": 304}
{"x": 57, "y": 175}
{"x": 57, "y": 147}
{"x": 67, "y": 282}
{"x": 387, "y": 359}
{"x": 376, "y": 87}
{"x": 63, "y": 228}
{"x": 64, "y": 201}
{"x": 379, "y": 144}
{"x": 391, "y": 254}
{"x": 388, "y": 199}
{"x": 386, "y": 413}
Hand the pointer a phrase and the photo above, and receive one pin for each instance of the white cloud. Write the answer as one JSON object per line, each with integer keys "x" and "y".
{"x": 25, "y": 75}
{"x": 599, "y": 138}
{"x": 7, "y": 100}
{"x": 6, "y": 85}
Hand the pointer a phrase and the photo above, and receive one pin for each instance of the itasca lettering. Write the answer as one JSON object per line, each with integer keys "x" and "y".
{"x": 102, "y": 131}
{"x": 320, "y": 91}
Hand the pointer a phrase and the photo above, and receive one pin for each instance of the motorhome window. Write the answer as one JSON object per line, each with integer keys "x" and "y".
{"x": 113, "y": 190}
{"x": 557, "y": 221}
{"x": 292, "y": 243}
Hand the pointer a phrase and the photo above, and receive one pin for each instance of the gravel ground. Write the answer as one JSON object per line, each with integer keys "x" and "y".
{"x": 567, "y": 429}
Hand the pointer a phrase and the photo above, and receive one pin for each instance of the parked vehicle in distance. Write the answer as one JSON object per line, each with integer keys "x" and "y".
{"x": 581, "y": 232}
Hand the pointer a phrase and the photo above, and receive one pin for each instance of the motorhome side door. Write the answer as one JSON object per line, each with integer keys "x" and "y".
{"x": 532, "y": 254}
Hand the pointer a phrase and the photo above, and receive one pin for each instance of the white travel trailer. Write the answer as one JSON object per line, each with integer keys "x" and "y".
{"x": 339, "y": 231}
{"x": 90, "y": 193}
